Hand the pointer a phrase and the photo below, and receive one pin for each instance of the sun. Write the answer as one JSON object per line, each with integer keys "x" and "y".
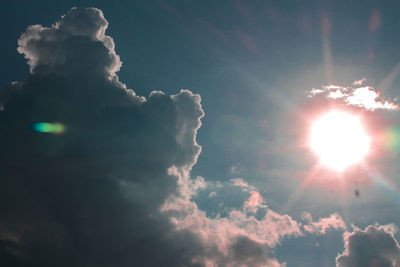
{"x": 339, "y": 139}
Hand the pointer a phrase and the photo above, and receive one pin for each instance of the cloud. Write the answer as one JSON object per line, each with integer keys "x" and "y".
{"x": 221, "y": 237}
{"x": 212, "y": 194}
{"x": 239, "y": 182}
{"x": 254, "y": 202}
{"x": 114, "y": 188}
{"x": 53, "y": 49}
{"x": 321, "y": 226}
{"x": 356, "y": 95}
{"x": 374, "y": 246}
{"x": 92, "y": 195}
{"x": 359, "y": 82}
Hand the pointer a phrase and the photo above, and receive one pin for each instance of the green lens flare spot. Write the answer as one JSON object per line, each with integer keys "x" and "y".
{"x": 47, "y": 127}
{"x": 392, "y": 138}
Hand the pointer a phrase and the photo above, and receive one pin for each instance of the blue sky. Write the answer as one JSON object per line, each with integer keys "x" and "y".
{"x": 252, "y": 64}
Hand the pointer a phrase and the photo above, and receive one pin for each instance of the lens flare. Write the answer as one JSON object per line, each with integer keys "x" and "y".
{"x": 339, "y": 140}
{"x": 391, "y": 138}
{"x": 47, "y": 127}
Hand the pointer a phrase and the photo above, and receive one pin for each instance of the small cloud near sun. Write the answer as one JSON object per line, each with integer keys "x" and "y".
{"x": 357, "y": 94}
{"x": 242, "y": 183}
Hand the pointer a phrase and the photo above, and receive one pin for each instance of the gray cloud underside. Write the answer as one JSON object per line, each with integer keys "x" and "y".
{"x": 374, "y": 246}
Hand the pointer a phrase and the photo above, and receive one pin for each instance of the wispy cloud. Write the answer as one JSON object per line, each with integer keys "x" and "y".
{"x": 239, "y": 182}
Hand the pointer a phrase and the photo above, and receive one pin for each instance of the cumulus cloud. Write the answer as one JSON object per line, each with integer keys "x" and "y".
{"x": 254, "y": 202}
{"x": 374, "y": 246}
{"x": 53, "y": 49}
{"x": 359, "y": 95}
{"x": 334, "y": 221}
{"x": 221, "y": 237}
{"x": 92, "y": 196}
{"x": 115, "y": 188}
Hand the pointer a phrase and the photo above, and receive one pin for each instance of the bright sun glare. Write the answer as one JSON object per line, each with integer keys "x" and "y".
{"x": 339, "y": 139}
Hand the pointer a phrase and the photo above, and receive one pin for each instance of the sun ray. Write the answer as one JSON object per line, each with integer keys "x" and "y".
{"x": 296, "y": 195}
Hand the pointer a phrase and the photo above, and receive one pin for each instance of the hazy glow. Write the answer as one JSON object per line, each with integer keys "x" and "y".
{"x": 339, "y": 139}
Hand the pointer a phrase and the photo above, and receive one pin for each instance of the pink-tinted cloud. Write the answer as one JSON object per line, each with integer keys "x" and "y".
{"x": 254, "y": 202}
{"x": 359, "y": 95}
{"x": 241, "y": 183}
{"x": 222, "y": 237}
{"x": 359, "y": 82}
{"x": 334, "y": 221}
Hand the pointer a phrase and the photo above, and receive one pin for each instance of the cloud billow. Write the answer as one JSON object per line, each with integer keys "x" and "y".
{"x": 76, "y": 43}
{"x": 374, "y": 246}
{"x": 91, "y": 196}
{"x": 115, "y": 188}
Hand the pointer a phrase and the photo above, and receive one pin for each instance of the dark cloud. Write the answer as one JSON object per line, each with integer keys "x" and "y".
{"x": 76, "y": 43}
{"x": 374, "y": 246}
{"x": 115, "y": 188}
{"x": 91, "y": 196}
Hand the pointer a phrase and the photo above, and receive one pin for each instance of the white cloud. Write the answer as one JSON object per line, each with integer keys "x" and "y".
{"x": 334, "y": 221}
{"x": 356, "y": 95}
